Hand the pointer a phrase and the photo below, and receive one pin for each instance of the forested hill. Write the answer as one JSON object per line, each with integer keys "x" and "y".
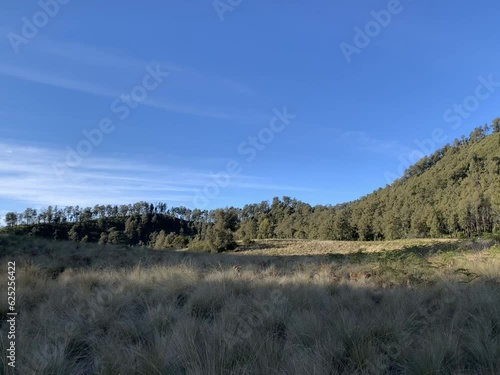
{"x": 453, "y": 193}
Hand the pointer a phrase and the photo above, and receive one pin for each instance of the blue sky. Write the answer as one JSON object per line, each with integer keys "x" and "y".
{"x": 229, "y": 70}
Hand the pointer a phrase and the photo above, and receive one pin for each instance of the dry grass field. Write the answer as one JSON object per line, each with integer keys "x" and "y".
{"x": 273, "y": 307}
{"x": 317, "y": 247}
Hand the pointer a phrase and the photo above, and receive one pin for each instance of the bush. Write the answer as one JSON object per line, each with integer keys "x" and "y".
{"x": 495, "y": 250}
{"x": 221, "y": 240}
{"x": 247, "y": 241}
{"x": 197, "y": 245}
{"x": 180, "y": 242}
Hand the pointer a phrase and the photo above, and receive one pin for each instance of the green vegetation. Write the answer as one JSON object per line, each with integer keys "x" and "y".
{"x": 454, "y": 193}
{"x": 422, "y": 307}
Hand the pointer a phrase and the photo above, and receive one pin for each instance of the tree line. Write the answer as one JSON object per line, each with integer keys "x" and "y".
{"x": 455, "y": 192}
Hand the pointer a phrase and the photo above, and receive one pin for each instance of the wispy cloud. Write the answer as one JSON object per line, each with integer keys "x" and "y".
{"x": 366, "y": 142}
{"x": 76, "y": 67}
{"x": 363, "y": 141}
{"x": 27, "y": 177}
{"x": 92, "y": 56}
{"x": 31, "y": 75}
{"x": 114, "y": 59}
{"x": 111, "y": 58}
{"x": 96, "y": 89}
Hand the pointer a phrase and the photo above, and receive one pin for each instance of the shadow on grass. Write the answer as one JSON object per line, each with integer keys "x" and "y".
{"x": 232, "y": 326}
{"x": 56, "y": 256}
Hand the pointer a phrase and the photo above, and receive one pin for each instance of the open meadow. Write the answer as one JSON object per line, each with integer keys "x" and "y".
{"x": 271, "y": 307}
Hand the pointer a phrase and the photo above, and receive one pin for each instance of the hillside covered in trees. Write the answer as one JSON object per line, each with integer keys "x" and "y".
{"x": 454, "y": 192}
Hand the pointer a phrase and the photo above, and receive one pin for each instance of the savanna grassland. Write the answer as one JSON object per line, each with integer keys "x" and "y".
{"x": 271, "y": 307}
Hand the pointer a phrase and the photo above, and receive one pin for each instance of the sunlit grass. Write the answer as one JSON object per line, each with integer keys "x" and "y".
{"x": 425, "y": 308}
